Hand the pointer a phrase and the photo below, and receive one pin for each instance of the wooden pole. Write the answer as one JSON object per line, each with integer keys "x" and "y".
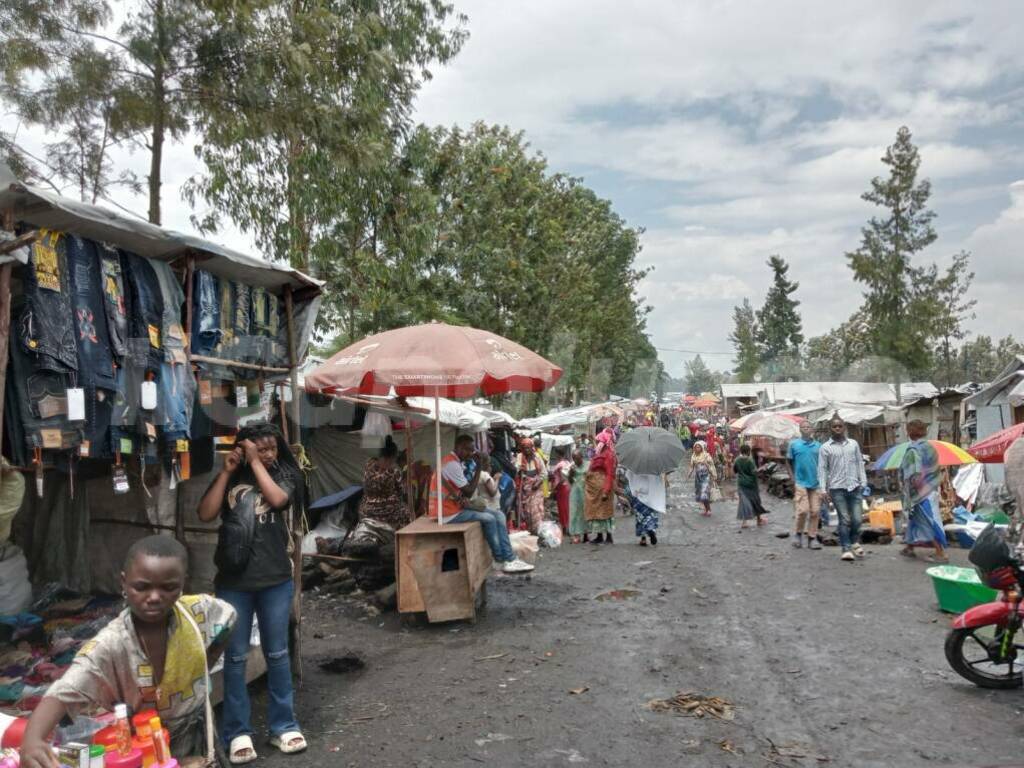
{"x": 235, "y": 364}
{"x": 5, "y": 318}
{"x": 409, "y": 490}
{"x": 295, "y": 439}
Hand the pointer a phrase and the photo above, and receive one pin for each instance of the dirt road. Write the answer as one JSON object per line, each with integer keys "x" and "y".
{"x": 827, "y": 663}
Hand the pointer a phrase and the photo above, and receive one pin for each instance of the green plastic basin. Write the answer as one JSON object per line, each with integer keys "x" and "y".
{"x": 958, "y": 589}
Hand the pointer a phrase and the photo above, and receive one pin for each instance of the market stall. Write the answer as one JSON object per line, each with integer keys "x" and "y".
{"x": 131, "y": 353}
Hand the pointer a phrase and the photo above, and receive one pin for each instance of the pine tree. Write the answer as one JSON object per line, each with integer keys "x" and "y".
{"x": 779, "y": 329}
{"x": 744, "y": 341}
{"x": 953, "y": 307}
{"x": 897, "y": 304}
{"x": 700, "y": 378}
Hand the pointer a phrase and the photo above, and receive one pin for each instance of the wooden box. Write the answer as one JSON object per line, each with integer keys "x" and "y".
{"x": 441, "y": 569}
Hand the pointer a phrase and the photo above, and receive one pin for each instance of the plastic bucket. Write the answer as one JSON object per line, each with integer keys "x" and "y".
{"x": 958, "y": 589}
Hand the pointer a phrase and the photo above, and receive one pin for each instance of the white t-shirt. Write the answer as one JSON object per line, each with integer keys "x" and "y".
{"x": 454, "y": 474}
{"x": 491, "y": 501}
{"x": 650, "y": 489}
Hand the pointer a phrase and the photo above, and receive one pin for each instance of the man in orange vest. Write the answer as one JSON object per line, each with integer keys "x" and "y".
{"x": 457, "y": 490}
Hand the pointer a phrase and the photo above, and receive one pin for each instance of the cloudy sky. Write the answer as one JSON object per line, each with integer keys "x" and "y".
{"x": 733, "y": 130}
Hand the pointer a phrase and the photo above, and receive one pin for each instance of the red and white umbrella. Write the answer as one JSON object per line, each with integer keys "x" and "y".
{"x": 434, "y": 360}
{"x": 993, "y": 448}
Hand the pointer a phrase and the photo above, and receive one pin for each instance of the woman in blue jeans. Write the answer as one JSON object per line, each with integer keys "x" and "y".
{"x": 259, "y": 485}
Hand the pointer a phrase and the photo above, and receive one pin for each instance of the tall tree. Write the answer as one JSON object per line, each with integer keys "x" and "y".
{"x": 322, "y": 93}
{"x": 700, "y": 378}
{"x": 779, "y": 328}
{"x": 744, "y": 341}
{"x": 65, "y": 66}
{"x": 953, "y": 307}
{"x": 897, "y": 310}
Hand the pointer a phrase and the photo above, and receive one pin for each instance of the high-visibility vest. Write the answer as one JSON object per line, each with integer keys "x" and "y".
{"x": 452, "y": 501}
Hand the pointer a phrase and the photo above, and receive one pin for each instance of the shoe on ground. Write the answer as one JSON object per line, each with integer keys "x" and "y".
{"x": 847, "y": 556}
{"x": 516, "y": 566}
{"x": 598, "y": 539}
{"x": 858, "y": 550}
{"x": 608, "y": 539}
{"x": 643, "y": 541}
{"x": 798, "y": 542}
{"x": 813, "y": 543}
{"x": 654, "y": 539}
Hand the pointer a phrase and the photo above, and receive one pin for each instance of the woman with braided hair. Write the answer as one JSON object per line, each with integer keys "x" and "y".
{"x": 255, "y": 494}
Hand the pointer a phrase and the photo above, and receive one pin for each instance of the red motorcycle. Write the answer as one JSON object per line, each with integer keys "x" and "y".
{"x": 982, "y": 646}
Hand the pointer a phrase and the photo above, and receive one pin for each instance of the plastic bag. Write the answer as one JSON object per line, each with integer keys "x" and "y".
{"x": 550, "y": 534}
{"x": 12, "y": 489}
{"x": 991, "y": 550}
{"x": 716, "y": 492}
{"x": 525, "y": 545}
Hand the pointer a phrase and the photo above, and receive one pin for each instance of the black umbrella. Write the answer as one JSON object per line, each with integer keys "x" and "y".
{"x": 649, "y": 451}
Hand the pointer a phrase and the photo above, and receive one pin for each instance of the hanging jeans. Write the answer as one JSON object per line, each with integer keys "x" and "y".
{"x": 45, "y": 327}
{"x": 114, "y": 299}
{"x": 172, "y": 334}
{"x": 206, "y": 330}
{"x": 145, "y": 313}
{"x": 271, "y": 607}
{"x": 95, "y": 362}
{"x": 176, "y": 398}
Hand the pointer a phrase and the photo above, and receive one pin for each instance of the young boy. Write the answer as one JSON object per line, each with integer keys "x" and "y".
{"x": 149, "y": 656}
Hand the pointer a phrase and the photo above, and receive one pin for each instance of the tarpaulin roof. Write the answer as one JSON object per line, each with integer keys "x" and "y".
{"x": 42, "y": 208}
{"x": 861, "y": 392}
{"x": 581, "y": 415}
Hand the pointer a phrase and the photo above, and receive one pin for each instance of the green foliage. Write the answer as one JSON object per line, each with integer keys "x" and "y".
{"x": 896, "y": 300}
{"x": 700, "y": 378}
{"x": 744, "y": 340}
{"x": 839, "y": 354}
{"x": 63, "y": 69}
{"x": 779, "y": 329}
{"x": 981, "y": 360}
{"x": 952, "y": 307}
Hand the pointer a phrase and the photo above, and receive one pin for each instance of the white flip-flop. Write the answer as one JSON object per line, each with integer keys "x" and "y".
{"x": 284, "y": 742}
{"x": 240, "y": 744}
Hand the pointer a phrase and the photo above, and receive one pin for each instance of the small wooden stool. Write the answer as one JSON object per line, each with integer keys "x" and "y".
{"x": 441, "y": 569}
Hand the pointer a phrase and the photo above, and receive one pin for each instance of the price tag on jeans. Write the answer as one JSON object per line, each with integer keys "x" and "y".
{"x": 125, "y": 445}
{"x": 241, "y": 397}
{"x": 120, "y": 479}
{"x": 287, "y": 389}
{"x": 83, "y": 449}
{"x": 76, "y": 404}
{"x": 265, "y": 394}
{"x": 205, "y": 392}
{"x": 148, "y": 395}
{"x": 181, "y": 446}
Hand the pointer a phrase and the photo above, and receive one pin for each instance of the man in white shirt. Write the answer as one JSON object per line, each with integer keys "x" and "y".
{"x": 841, "y": 475}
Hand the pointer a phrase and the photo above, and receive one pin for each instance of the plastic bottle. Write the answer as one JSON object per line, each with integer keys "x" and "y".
{"x": 96, "y": 753}
{"x": 159, "y": 745}
{"x": 124, "y": 730}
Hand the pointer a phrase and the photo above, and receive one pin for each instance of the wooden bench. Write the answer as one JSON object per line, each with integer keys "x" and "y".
{"x": 441, "y": 569}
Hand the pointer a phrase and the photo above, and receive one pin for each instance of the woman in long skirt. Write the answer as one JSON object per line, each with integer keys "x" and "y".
{"x": 560, "y": 486}
{"x": 750, "y": 505}
{"x": 704, "y": 474}
{"x": 646, "y": 495}
{"x": 599, "y": 490}
{"x": 531, "y": 477}
{"x": 577, "y": 497}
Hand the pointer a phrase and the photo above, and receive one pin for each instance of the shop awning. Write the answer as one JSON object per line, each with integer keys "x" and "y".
{"x": 42, "y": 208}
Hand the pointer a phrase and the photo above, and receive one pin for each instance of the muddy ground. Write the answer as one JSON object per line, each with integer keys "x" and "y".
{"x": 827, "y": 663}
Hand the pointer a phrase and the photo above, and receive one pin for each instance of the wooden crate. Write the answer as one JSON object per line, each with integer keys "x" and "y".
{"x": 441, "y": 569}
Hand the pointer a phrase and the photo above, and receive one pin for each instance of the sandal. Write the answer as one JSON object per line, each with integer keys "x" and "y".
{"x": 936, "y": 559}
{"x": 643, "y": 541}
{"x": 240, "y": 745}
{"x": 907, "y": 552}
{"x": 289, "y": 742}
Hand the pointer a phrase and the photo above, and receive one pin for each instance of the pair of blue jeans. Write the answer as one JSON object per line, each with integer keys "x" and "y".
{"x": 848, "y": 509}
{"x": 271, "y": 607}
{"x": 495, "y": 531}
{"x": 206, "y": 331}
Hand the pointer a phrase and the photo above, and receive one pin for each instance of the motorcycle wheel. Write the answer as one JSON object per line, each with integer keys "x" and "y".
{"x": 967, "y": 651}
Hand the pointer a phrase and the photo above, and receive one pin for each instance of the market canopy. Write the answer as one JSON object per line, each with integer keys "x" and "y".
{"x": 46, "y": 209}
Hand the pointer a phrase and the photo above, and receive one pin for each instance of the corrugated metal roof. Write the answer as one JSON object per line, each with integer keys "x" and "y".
{"x": 1008, "y": 377}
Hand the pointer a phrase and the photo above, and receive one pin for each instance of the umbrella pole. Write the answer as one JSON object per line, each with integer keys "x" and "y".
{"x": 437, "y": 456}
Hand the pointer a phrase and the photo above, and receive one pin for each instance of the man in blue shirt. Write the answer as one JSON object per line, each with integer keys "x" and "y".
{"x": 803, "y": 462}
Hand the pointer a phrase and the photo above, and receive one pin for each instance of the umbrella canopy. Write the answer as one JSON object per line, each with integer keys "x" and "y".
{"x": 437, "y": 360}
{"x": 649, "y": 451}
{"x": 434, "y": 359}
{"x": 779, "y": 426}
{"x": 992, "y": 449}
{"x": 949, "y": 455}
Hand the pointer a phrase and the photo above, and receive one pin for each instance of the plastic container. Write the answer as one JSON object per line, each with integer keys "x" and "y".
{"x": 141, "y": 723}
{"x": 880, "y": 517}
{"x": 14, "y": 733}
{"x": 96, "y": 755}
{"x": 145, "y": 746}
{"x": 116, "y": 760}
{"x": 123, "y": 729}
{"x": 958, "y": 589}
